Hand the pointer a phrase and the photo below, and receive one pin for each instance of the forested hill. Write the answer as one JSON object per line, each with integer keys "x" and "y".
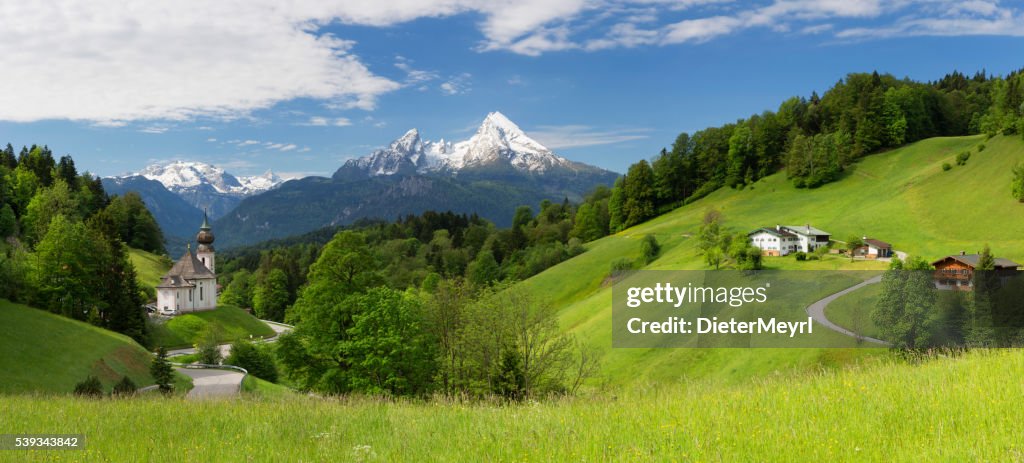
{"x": 64, "y": 242}
{"x": 814, "y": 139}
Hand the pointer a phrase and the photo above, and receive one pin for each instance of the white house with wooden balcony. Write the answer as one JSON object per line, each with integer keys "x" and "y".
{"x": 785, "y": 239}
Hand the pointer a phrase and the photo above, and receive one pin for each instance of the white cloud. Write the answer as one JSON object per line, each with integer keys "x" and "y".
{"x": 457, "y": 84}
{"x": 122, "y": 60}
{"x": 414, "y": 76}
{"x": 211, "y": 140}
{"x": 110, "y": 62}
{"x": 154, "y": 129}
{"x": 248, "y": 143}
{"x": 288, "y": 147}
{"x": 320, "y": 121}
{"x": 574, "y": 136}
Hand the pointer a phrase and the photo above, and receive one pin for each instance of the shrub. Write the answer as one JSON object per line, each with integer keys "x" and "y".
{"x": 256, "y": 359}
{"x": 946, "y": 166}
{"x": 801, "y": 256}
{"x": 619, "y": 266}
{"x": 962, "y": 158}
{"x": 981, "y": 147}
{"x": 90, "y": 387}
{"x": 649, "y": 248}
{"x": 125, "y": 387}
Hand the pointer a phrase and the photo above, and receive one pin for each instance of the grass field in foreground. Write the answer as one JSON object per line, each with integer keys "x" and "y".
{"x": 962, "y": 409}
{"x": 183, "y": 330}
{"x": 41, "y": 351}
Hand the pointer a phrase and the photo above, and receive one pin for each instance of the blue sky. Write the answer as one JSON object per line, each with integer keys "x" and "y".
{"x": 250, "y": 86}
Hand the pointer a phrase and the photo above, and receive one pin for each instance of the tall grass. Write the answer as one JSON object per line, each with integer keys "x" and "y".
{"x": 961, "y": 409}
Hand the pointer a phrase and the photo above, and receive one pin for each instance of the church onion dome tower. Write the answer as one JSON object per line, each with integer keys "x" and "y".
{"x": 205, "y": 237}
{"x": 204, "y": 250}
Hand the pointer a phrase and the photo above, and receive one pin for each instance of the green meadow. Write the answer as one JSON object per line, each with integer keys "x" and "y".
{"x": 955, "y": 409}
{"x": 229, "y": 323}
{"x": 901, "y": 196}
{"x": 47, "y": 352}
{"x": 148, "y": 267}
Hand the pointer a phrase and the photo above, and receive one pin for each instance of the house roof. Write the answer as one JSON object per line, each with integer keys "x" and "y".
{"x": 780, "y": 233}
{"x": 189, "y": 267}
{"x": 174, "y": 281}
{"x": 803, "y": 230}
{"x": 972, "y": 261}
{"x": 877, "y": 243}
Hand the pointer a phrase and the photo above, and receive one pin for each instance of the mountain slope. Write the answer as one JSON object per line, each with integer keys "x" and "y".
{"x": 176, "y": 217}
{"x": 204, "y": 186}
{"x": 50, "y": 353}
{"x": 498, "y": 144}
{"x": 492, "y": 173}
{"x": 902, "y": 196}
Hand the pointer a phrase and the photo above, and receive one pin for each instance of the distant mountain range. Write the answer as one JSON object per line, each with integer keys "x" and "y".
{"x": 496, "y": 170}
{"x": 205, "y": 186}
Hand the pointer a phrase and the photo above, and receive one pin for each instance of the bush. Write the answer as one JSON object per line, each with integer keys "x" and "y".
{"x": 90, "y": 387}
{"x": 621, "y": 265}
{"x": 801, "y": 256}
{"x": 256, "y": 359}
{"x": 981, "y": 147}
{"x": 649, "y": 248}
{"x": 946, "y": 166}
{"x": 125, "y": 387}
{"x": 962, "y": 158}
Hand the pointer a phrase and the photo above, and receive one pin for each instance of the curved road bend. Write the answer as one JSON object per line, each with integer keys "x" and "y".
{"x": 817, "y": 311}
{"x": 214, "y": 383}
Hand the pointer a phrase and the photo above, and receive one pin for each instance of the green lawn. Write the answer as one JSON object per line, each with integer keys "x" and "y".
{"x": 183, "y": 330}
{"x": 943, "y": 410}
{"x": 46, "y": 352}
{"x": 148, "y": 267}
{"x": 902, "y": 196}
{"x": 853, "y": 311}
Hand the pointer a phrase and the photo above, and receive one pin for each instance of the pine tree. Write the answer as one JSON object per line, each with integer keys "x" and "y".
{"x": 162, "y": 372}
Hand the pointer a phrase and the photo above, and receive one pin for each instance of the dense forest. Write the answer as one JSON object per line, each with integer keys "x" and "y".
{"x": 65, "y": 242}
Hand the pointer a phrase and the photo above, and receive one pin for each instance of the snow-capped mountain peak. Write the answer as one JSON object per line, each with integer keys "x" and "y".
{"x": 498, "y": 141}
{"x": 179, "y": 176}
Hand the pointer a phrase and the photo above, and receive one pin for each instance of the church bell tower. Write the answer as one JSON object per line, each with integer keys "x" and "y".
{"x": 204, "y": 251}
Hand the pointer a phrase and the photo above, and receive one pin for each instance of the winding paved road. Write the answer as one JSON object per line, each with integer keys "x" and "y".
{"x": 817, "y": 311}
{"x": 214, "y": 383}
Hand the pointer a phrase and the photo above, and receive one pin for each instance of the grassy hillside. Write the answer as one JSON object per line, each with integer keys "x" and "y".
{"x": 943, "y": 410}
{"x": 183, "y": 330}
{"x": 46, "y": 352}
{"x": 901, "y": 196}
{"x": 148, "y": 267}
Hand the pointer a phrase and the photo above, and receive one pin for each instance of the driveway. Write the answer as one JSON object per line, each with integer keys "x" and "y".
{"x": 817, "y": 311}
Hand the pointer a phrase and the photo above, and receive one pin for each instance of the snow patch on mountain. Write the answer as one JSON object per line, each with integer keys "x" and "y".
{"x": 182, "y": 176}
{"x": 498, "y": 141}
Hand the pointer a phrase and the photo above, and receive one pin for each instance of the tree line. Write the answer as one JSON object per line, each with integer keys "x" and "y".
{"x": 815, "y": 139}
{"x": 65, "y": 242}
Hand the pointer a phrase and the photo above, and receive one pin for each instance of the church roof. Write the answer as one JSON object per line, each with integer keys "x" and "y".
{"x": 189, "y": 267}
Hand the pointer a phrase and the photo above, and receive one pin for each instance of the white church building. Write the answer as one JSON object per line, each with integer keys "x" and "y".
{"x": 191, "y": 284}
